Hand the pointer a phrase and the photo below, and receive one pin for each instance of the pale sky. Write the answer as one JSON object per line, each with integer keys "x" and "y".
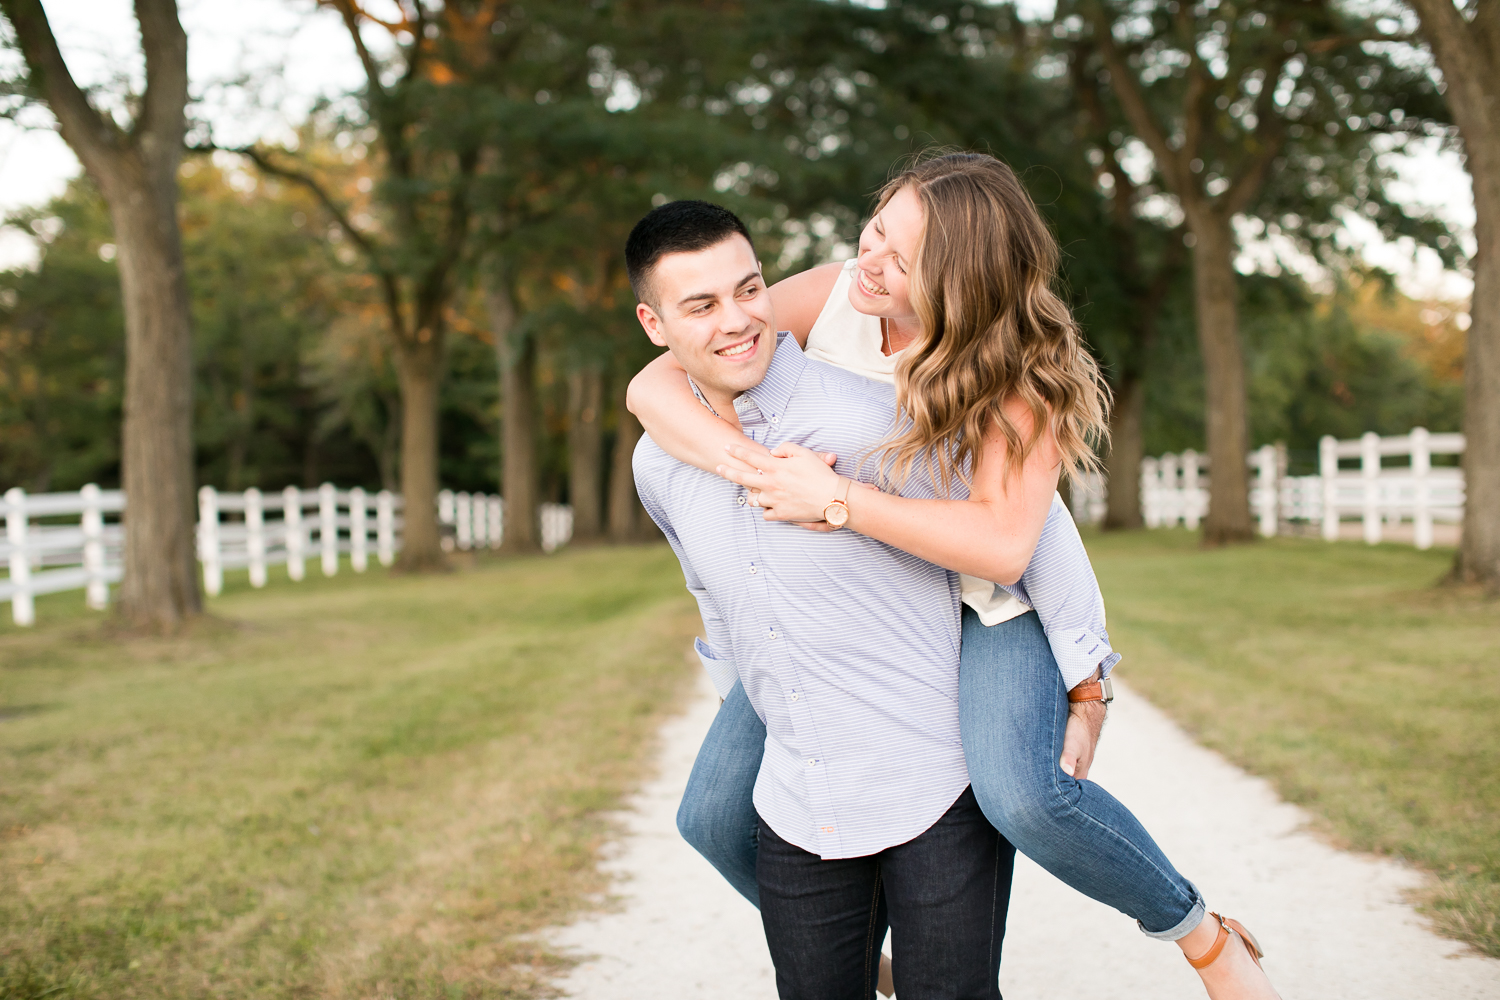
{"x": 301, "y": 53}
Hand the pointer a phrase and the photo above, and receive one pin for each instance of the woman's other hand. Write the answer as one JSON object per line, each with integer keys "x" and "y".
{"x": 792, "y": 483}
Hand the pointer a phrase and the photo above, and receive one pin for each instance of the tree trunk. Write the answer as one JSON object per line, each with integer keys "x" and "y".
{"x": 519, "y": 484}
{"x": 625, "y": 512}
{"x": 586, "y": 452}
{"x": 419, "y": 367}
{"x": 1467, "y": 53}
{"x": 1479, "y": 549}
{"x": 160, "y": 585}
{"x": 1123, "y": 465}
{"x": 136, "y": 170}
{"x": 1217, "y": 315}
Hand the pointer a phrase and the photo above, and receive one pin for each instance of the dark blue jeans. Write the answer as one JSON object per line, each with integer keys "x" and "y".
{"x": 943, "y": 894}
{"x": 1013, "y": 711}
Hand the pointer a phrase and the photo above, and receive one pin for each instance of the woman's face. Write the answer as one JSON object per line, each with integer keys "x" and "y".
{"x": 887, "y": 247}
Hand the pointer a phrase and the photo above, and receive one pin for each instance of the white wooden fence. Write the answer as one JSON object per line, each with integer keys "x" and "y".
{"x": 477, "y": 519}
{"x": 74, "y": 541}
{"x": 1174, "y": 488}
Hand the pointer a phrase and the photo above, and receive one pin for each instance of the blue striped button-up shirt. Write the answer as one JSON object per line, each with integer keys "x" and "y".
{"x": 847, "y": 647}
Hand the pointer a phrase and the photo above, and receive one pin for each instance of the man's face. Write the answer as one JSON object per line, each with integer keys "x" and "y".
{"x": 713, "y": 312}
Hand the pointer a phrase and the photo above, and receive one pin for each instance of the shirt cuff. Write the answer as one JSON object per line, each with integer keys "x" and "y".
{"x": 1079, "y": 652}
{"x": 721, "y": 672}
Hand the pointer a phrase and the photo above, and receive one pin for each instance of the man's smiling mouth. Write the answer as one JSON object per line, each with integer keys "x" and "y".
{"x": 736, "y": 350}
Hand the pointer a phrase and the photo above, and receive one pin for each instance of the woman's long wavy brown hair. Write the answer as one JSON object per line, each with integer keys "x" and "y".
{"x": 992, "y": 328}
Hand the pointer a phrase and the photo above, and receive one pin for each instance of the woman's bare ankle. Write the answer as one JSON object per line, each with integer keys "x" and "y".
{"x": 1196, "y": 942}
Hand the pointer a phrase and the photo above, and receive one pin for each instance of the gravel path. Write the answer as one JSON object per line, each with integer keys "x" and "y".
{"x": 680, "y": 931}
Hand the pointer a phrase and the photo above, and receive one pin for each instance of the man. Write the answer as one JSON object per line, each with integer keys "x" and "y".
{"x": 846, "y": 648}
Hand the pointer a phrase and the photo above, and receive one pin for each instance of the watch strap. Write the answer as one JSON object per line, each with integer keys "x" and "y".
{"x": 1100, "y": 690}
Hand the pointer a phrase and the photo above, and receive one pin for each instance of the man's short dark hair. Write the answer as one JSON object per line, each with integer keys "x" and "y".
{"x": 676, "y": 227}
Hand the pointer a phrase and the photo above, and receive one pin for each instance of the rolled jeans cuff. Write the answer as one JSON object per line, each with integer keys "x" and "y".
{"x": 1183, "y": 927}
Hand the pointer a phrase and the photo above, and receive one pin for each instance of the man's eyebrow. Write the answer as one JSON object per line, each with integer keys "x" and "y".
{"x": 710, "y": 296}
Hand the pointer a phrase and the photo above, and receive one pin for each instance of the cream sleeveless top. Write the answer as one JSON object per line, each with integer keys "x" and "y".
{"x": 846, "y": 337}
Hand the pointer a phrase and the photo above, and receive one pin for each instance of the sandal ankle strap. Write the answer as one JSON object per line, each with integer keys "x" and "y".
{"x": 1206, "y": 959}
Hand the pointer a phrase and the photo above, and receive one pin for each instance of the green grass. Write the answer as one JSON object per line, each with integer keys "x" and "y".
{"x": 367, "y": 786}
{"x": 377, "y": 786}
{"x": 1343, "y": 674}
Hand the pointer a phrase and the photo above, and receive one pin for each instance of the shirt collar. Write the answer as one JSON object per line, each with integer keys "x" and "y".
{"x": 769, "y": 400}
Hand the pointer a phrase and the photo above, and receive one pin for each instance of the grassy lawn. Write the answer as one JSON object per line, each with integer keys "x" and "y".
{"x": 1341, "y": 673}
{"x": 359, "y": 787}
{"x": 378, "y": 786}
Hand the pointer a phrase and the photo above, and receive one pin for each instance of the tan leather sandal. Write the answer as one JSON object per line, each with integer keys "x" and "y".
{"x": 1225, "y": 927}
{"x": 886, "y": 984}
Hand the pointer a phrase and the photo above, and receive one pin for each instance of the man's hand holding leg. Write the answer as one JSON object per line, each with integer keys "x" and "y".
{"x": 1081, "y": 738}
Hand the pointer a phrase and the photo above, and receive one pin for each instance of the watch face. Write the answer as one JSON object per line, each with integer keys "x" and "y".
{"x": 836, "y": 514}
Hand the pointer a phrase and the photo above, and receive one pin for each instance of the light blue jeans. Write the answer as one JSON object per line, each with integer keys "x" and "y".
{"x": 1013, "y": 711}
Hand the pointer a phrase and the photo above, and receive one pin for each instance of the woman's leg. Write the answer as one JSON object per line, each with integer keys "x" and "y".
{"x": 717, "y": 815}
{"x": 1014, "y": 710}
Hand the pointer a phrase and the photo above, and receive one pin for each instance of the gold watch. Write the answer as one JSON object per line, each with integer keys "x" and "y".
{"x": 836, "y": 512}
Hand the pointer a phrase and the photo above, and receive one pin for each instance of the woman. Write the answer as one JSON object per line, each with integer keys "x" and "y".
{"x": 950, "y": 297}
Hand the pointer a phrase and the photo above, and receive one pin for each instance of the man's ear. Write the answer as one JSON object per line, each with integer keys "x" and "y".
{"x": 651, "y": 323}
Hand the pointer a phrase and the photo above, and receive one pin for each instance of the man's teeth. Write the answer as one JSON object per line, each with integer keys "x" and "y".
{"x": 730, "y": 352}
{"x": 870, "y": 286}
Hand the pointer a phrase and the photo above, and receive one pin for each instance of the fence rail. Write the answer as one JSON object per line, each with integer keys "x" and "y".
{"x": 56, "y": 542}
{"x": 1174, "y": 489}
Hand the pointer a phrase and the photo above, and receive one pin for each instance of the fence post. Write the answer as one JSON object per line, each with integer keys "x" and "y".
{"x": 358, "y": 533}
{"x": 463, "y": 522}
{"x": 22, "y": 607}
{"x": 208, "y": 541}
{"x": 481, "y": 521}
{"x": 1149, "y": 513}
{"x": 1190, "y": 513}
{"x": 296, "y": 535}
{"x": 1369, "y": 468}
{"x": 1421, "y": 468}
{"x": 446, "y": 516}
{"x": 497, "y": 521}
{"x": 385, "y": 528}
{"x": 328, "y": 528}
{"x": 255, "y": 536}
{"x": 1170, "y": 497}
{"x": 1328, "y": 472}
{"x": 1265, "y": 475}
{"x": 96, "y": 587}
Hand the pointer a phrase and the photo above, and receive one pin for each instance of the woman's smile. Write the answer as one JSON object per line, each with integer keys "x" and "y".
{"x": 868, "y": 285}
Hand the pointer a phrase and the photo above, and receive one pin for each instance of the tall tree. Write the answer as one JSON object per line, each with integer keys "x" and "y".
{"x": 515, "y": 357}
{"x": 414, "y": 233}
{"x": 1122, "y": 269}
{"x": 135, "y": 168}
{"x": 1252, "y": 109}
{"x": 1465, "y": 39}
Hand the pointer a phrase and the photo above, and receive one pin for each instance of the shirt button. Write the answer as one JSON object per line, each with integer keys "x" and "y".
{"x": 812, "y": 762}
{"x": 771, "y": 634}
{"x": 794, "y": 696}
{"x": 752, "y": 569}
{"x": 740, "y": 501}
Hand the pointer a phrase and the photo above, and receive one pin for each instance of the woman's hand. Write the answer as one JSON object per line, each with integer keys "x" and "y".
{"x": 793, "y": 483}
